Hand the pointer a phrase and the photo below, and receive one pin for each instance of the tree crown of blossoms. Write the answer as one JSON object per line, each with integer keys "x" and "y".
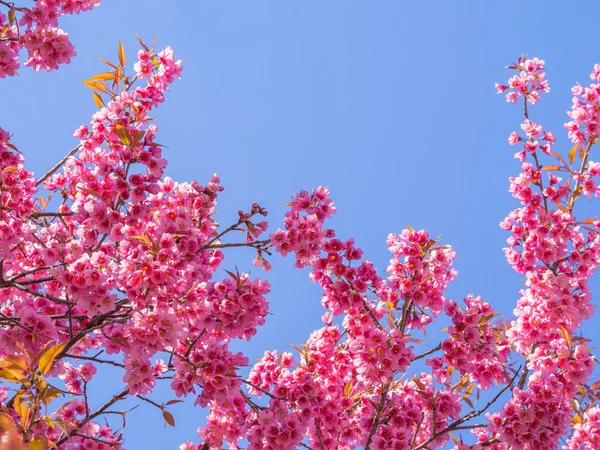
{"x": 124, "y": 272}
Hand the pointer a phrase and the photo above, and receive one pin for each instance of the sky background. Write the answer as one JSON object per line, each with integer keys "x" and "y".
{"x": 390, "y": 103}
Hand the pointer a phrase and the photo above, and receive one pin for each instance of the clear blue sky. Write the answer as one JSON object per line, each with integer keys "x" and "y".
{"x": 390, "y": 103}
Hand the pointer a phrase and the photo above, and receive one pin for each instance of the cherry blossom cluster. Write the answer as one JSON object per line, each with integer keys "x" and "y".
{"x": 533, "y": 418}
{"x": 328, "y": 394}
{"x": 529, "y": 81}
{"x": 418, "y": 274}
{"x": 557, "y": 254}
{"x": 91, "y": 435}
{"x": 586, "y": 434}
{"x": 584, "y": 123}
{"x": 416, "y": 410}
{"x": 473, "y": 347}
{"x": 16, "y": 189}
{"x": 125, "y": 264}
{"x": 47, "y": 45}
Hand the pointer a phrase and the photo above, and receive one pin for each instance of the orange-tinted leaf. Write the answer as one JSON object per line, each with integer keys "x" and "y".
{"x": 123, "y": 134}
{"x": 411, "y": 229}
{"x": 551, "y": 168}
{"x": 89, "y": 192}
{"x": 98, "y": 100}
{"x": 456, "y": 441}
{"x": 233, "y": 275}
{"x": 122, "y": 58}
{"x": 572, "y": 154}
{"x": 114, "y": 66}
{"x": 137, "y": 136}
{"x": 12, "y": 16}
{"x": 13, "y": 375}
{"x": 468, "y": 402}
{"x": 22, "y": 410}
{"x": 581, "y": 152}
{"x": 561, "y": 207}
{"x": 566, "y": 335}
{"x": 168, "y": 418}
{"x": 48, "y": 357}
{"x": 418, "y": 382}
{"x": 95, "y": 85}
{"x": 144, "y": 46}
{"x": 577, "y": 193}
{"x": 38, "y": 444}
{"x": 49, "y": 394}
{"x": 172, "y": 402}
{"x": 348, "y": 388}
{"x": 10, "y": 169}
{"x": 470, "y": 389}
{"x": 145, "y": 240}
{"x": 11, "y": 146}
{"x": 48, "y": 421}
{"x": 104, "y": 76}
{"x": 14, "y": 360}
{"x": 390, "y": 320}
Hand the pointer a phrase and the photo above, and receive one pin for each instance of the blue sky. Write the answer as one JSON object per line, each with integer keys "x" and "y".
{"x": 391, "y": 104}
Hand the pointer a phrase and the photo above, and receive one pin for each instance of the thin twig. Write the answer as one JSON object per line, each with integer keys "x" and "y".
{"x": 428, "y": 352}
{"x": 11, "y": 5}
{"x": 51, "y": 214}
{"x": 92, "y": 416}
{"x": 378, "y": 412}
{"x": 93, "y": 358}
{"x": 58, "y": 165}
{"x": 465, "y": 418}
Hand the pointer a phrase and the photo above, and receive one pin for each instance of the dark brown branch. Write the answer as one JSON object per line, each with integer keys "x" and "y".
{"x": 318, "y": 427}
{"x": 57, "y": 166}
{"x": 11, "y": 5}
{"x": 93, "y": 358}
{"x": 255, "y": 244}
{"x": 92, "y": 416}
{"x": 427, "y": 353}
{"x": 377, "y": 417}
{"x": 38, "y": 294}
{"x": 260, "y": 389}
{"x": 465, "y": 418}
{"x": 51, "y": 214}
{"x": 32, "y": 271}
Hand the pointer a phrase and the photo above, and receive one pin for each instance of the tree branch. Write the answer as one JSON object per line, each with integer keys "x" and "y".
{"x": 58, "y": 165}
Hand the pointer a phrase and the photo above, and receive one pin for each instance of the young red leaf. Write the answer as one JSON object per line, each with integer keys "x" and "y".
{"x": 168, "y": 418}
